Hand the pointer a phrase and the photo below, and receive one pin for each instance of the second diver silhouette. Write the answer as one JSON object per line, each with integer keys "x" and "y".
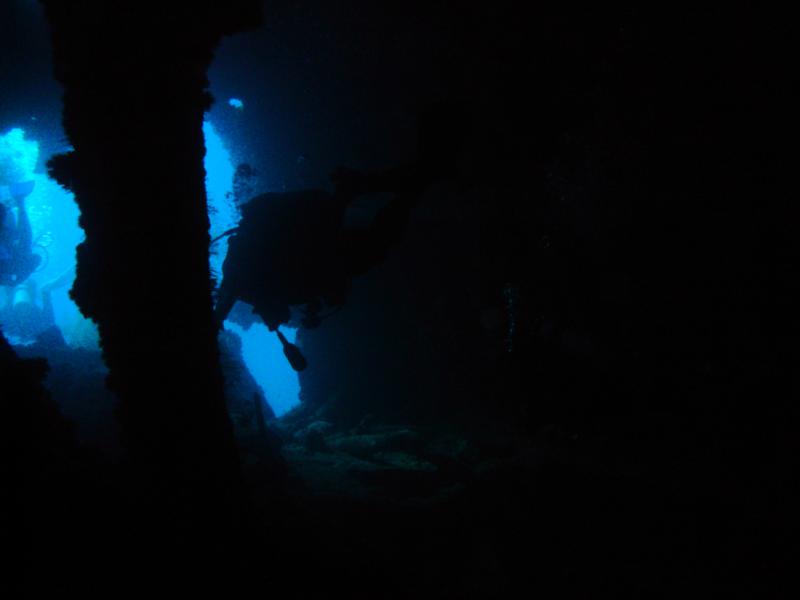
{"x": 293, "y": 248}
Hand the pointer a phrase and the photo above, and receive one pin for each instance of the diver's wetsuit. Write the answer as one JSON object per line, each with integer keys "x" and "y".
{"x": 6, "y": 248}
{"x": 283, "y": 253}
{"x": 17, "y": 260}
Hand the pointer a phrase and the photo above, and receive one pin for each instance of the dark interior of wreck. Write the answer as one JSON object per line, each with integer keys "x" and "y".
{"x": 563, "y": 362}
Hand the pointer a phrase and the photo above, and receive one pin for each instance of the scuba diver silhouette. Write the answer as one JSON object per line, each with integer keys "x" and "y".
{"x": 292, "y": 249}
{"x": 17, "y": 259}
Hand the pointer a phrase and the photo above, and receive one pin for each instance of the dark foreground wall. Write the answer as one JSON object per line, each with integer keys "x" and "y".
{"x": 135, "y": 91}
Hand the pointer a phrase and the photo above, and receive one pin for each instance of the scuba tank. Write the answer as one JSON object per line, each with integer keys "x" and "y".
{"x": 22, "y": 297}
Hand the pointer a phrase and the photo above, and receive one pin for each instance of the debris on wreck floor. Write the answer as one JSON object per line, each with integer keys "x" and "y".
{"x": 400, "y": 463}
{"x": 482, "y": 510}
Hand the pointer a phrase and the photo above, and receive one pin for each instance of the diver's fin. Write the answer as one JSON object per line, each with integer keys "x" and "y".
{"x": 292, "y": 353}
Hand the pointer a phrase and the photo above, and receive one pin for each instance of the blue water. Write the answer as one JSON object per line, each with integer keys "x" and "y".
{"x": 54, "y": 215}
{"x": 264, "y": 357}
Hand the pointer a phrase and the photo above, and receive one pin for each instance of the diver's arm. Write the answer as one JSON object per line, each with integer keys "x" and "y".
{"x": 59, "y": 281}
